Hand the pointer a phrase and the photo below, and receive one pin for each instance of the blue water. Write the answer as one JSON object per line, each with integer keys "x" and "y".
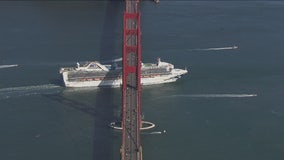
{"x": 229, "y": 106}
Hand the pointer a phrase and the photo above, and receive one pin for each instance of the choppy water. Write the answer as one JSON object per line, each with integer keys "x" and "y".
{"x": 228, "y": 107}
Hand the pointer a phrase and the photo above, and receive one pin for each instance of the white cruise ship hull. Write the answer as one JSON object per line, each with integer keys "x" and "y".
{"x": 158, "y": 79}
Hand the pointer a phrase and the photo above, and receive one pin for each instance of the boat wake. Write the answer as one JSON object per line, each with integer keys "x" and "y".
{"x": 12, "y": 92}
{"x": 215, "y": 49}
{"x": 51, "y": 64}
{"x": 8, "y": 66}
{"x": 112, "y": 60}
{"x": 155, "y": 132}
{"x": 47, "y": 64}
{"x": 210, "y": 96}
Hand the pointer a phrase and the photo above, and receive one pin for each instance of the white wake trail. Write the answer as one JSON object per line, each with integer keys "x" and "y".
{"x": 112, "y": 60}
{"x": 155, "y": 132}
{"x": 10, "y": 92}
{"x": 8, "y": 66}
{"x": 117, "y": 60}
{"x": 210, "y": 96}
{"x": 215, "y": 49}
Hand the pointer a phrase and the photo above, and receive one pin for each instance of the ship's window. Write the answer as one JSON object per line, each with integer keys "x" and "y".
{"x": 93, "y": 66}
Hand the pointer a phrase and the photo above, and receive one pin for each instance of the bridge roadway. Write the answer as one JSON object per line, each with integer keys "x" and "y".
{"x": 131, "y": 148}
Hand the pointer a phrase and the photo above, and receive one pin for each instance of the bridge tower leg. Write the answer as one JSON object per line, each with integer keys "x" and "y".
{"x": 131, "y": 109}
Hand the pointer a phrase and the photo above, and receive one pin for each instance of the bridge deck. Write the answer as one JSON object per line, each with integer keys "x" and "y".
{"x": 131, "y": 122}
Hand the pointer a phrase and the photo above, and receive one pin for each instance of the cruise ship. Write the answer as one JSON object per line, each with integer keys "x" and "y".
{"x": 95, "y": 74}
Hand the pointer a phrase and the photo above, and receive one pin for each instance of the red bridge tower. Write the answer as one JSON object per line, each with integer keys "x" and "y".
{"x": 131, "y": 109}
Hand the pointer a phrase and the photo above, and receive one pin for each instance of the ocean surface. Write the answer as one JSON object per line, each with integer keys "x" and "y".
{"x": 229, "y": 107}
